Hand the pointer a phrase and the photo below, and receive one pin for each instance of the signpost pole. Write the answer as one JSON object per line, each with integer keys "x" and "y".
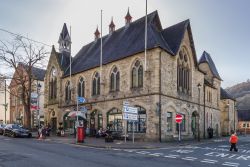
{"x": 125, "y": 123}
{"x": 133, "y": 132}
{"x": 76, "y": 118}
{"x": 179, "y": 131}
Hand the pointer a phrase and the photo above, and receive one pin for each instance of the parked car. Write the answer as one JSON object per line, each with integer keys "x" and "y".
{"x": 14, "y": 130}
{"x": 2, "y": 129}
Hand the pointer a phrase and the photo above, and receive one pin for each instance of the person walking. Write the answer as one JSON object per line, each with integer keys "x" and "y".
{"x": 233, "y": 140}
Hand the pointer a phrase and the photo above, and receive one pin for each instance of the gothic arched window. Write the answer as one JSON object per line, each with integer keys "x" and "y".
{"x": 81, "y": 87}
{"x": 96, "y": 84}
{"x": 115, "y": 80}
{"x": 137, "y": 75}
{"x": 52, "y": 84}
{"x": 183, "y": 72}
{"x": 67, "y": 92}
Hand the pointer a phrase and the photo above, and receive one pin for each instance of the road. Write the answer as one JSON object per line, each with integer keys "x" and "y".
{"x": 19, "y": 152}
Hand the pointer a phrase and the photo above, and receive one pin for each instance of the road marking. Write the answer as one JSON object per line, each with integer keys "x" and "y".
{"x": 189, "y": 158}
{"x": 116, "y": 149}
{"x": 224, "y": 146}
{"x": 210, "y": 161}
{"x": 130, "y": 151}
{"x": 142, "y": 152}
{"x": 156, "y": 154}
{"x": 171, "y": 156}
{"x": 230, "y": 164}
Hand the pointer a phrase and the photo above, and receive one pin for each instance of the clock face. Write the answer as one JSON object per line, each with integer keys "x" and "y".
{"x": 53, "y": 72}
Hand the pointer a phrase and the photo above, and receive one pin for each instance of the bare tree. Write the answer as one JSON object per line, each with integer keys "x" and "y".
{"x": 20, "y": 56}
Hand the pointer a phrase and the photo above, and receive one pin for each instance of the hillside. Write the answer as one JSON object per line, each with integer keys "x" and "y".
{"x": 241, "y": 92}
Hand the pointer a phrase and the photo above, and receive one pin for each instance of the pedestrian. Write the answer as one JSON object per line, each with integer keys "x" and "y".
{"x": 233, "y": 140}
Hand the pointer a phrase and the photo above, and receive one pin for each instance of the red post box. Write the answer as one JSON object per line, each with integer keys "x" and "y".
{"x": 80, "y": 134}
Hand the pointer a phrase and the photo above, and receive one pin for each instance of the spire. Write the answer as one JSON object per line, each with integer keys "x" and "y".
{"x": 97, "y": 33}
{"x": 64, "y": 40}
{"x": 128, "y": 18}
{"x": 111, "y": 26}
{"x": 53, "y": 49}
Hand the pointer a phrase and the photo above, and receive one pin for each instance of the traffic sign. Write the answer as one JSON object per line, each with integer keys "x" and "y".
{"x": 178, "y": 118}
{"x": 131, "y": 117}
{"x": 83, "y": 109}
{"x": 131, "y": 110}
{"x": 81, "y": 99}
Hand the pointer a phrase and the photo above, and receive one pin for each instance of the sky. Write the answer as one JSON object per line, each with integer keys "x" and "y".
{"x": 221, "y": 27}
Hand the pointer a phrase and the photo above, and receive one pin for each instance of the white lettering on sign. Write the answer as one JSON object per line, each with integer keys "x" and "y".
{"x": 132, "y": 117}
{"x": 131, "y": 110}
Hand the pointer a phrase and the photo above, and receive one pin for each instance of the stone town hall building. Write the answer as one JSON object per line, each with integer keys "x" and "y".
{"x": 174, "y": 81}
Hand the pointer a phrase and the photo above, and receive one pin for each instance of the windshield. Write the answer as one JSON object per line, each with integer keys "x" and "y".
{"x": 16, "y": 127}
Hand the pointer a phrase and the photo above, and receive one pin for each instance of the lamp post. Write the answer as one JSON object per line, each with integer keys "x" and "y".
{"x": 228, "y": 116}
{"x": 199, "y": 91}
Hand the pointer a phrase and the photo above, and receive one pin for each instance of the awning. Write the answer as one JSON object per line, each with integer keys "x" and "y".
{"x": 75, "y": 113}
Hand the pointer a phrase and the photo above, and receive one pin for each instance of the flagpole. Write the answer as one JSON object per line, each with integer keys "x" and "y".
{"x": 146, "y": 33}
{"x": 101, "y": 52}
{"x": 70, "y": 59}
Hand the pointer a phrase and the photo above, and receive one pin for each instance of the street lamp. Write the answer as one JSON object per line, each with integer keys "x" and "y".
{"x": 228, "y": 132}
{"x": 199, "y": 90}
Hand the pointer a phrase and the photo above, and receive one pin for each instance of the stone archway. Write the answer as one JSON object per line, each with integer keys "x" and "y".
{"x": 195, "y": 124}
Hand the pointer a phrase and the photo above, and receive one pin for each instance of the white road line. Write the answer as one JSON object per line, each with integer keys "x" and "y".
{"x": 230, "y": 164}
{"x": 116, "y": 149}
{"x": 171, "y": 156}
{"x": 210, "y": 161}
{"x": 189, "y": 158}
{"x": 142, "y": 152}
{"x": 130, "y": 151}
{"x": 156, "y": 154}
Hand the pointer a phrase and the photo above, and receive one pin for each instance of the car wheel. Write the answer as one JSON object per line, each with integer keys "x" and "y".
{"x": 13, "y": 135}
{"x": 30, "y": 135}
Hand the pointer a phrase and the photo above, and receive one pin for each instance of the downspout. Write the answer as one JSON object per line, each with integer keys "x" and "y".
{"x": 204, "y": 102}
{"x": 160, "y": 97}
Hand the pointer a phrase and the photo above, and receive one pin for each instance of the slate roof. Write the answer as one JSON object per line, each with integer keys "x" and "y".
{"x": 63, "y": 60}
{"x": 129, "y": 40}
{"x": 225, "y": 95}
{"x": 64, "y": 33}
{"x": 244, "y": 115}
{"x": 38, "y": 73}
{"x": 206, "y": 58}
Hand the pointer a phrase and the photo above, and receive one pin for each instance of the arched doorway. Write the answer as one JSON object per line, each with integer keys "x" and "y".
{"x": 114, "y": 120}
{"x": 194, "y": 124}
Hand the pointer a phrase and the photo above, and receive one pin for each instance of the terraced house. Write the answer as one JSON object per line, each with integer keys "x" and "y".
{"x": 173, "y": 81}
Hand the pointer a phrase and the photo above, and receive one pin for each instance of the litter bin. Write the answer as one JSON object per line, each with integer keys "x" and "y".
{"x": 80, "y": 134}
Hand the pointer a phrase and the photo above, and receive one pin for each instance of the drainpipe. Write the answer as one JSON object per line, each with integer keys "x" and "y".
{"x": 160, "y": 98}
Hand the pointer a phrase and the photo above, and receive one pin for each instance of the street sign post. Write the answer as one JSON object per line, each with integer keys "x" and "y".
{"x": 131, "y": 114}
{"x": 178, "y": 119}
{"x": 79, "y": 100}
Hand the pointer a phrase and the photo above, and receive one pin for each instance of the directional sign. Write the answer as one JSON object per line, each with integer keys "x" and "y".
{"x": 131, "y": 117}
{"x": 81, "y": 99}
{"x": 131, "y": 110}
{"x": 83, "y": 109}
{"x": 178, "y": 118}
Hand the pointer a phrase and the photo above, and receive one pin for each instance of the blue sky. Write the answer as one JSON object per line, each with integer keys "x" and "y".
{"x": 221, "y": 27}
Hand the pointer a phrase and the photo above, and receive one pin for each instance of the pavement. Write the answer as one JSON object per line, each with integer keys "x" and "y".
{"x": 121, "y": 144}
